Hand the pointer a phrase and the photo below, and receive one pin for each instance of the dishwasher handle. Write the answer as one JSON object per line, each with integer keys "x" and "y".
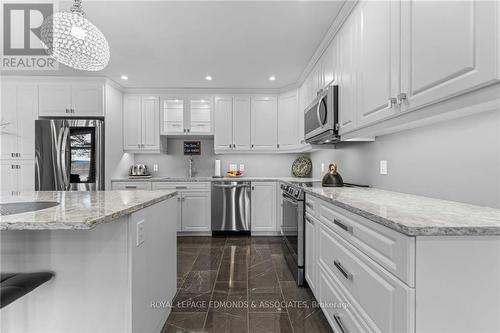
{"x": 231, "y": 186}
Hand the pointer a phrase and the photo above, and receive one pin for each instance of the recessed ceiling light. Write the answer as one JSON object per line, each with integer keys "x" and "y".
{"x": 272, "y": 78}
{"x": 124, "y": 77}
{"x": 208, "y": 78}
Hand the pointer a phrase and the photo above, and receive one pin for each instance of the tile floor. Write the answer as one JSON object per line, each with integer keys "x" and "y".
{"x": 239, "y": 284}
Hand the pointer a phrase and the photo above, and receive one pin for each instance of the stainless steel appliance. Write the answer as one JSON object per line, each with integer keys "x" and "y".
{"x": 69, "y": 154}
{"x": 292, "y": 230}
{"x": 138, "y": 170}
{"x": 230, "y": 207}
{"x": 321, "y": 124}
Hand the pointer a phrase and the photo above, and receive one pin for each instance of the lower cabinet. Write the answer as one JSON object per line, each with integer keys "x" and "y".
{"x": 311, "y": 267}
{"x": 131, "y": 186}
{"x": 193, "y": 209}
{"x": 264, "y": 208}
{"x": 17, "y": 175}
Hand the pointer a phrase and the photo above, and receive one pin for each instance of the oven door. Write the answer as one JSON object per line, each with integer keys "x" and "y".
{"x": 292, "y": 228}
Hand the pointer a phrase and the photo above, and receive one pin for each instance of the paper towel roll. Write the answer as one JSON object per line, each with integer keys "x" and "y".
{"x": 217, "y": 168}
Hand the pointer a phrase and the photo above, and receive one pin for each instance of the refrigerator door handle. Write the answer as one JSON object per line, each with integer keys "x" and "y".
{"x": 65, "y": 157}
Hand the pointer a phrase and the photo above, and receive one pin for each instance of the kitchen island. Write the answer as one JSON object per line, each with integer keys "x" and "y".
{"x": 113, "y": 254}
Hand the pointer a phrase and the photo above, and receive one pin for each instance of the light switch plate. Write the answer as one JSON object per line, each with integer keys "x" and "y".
{"x": 155, "y": 167}
{"x": 383, "y": 167}
{"x": 322, "y": 167}
{"x": 140, "y": 233}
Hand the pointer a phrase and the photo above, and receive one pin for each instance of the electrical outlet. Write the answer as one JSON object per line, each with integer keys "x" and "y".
{"x": 383, "y": 167}
{"x": 140, "y": 233}
{"x": 322, "y": 167}
{"x": 155, "y": 167}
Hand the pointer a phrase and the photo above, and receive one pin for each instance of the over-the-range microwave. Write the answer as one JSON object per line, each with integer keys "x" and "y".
{"x": 321, "y": 122}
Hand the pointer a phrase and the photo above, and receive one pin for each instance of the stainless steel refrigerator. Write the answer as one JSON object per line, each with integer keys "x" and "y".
{"x": 69, "y": 154}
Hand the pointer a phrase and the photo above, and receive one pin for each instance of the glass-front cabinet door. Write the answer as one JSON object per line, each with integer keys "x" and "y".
{"x": 200, "y": 115}
{"x": 173, "y": 121}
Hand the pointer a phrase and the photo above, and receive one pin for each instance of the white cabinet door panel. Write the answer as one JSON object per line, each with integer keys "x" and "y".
{"x": 378, "y": 59}
{"x": 223, "y": 123}
{"x": 8, "y": 176}
{"x": 26, "y": 175}
{"x": 241, "y": 122}
{"x": 27, "y": 109}
{"x": 54, "y": 99}
{"x": 263, "y": 210}
{"x": 264, "y": 122}
{"x": 311, "y": 267}
{"x": 287, "y": 120}
{"x": 448, "y": 48}
{"x": 132, "y": 122}
{"x": 8, "y": 120}
{"x": 196, "y": 211}
{"x": 150, "y": 123}
{"x": 87, "y": 100}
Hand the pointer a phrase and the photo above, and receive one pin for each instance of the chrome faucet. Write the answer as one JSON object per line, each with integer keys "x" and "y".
{"x": 190, "y": 170}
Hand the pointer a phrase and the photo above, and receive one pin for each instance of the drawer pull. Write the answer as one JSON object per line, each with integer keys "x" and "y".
{"x": 130, "y": 186}
{"x": 338, "y": 320}
{"x": 342, "y": 270}
{"x": 181, "y": 187}
{"x": 309, "y": 205}
{"x": 347, "y": 228}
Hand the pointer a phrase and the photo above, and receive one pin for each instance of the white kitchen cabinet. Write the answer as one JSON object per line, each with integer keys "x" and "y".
{"x": 448, "y": 48}
{"x": 17, "y": 175}
{"x": 141, "y": 123}
{"x": 19, "y": 112}
{"x": 150, "y": 120}
{"x": 71, "y": 100}
{"x": 187, "y": 115}
{"x": 329, "y": 63}
{"x": 196, "y": 211}
{"x": 264, "y": 205}
{"x": 264, "y": 122}
{"x": 311, "y": 260}
{"x": 223, "y": 138}
{"x": 241, "y": 121}
{"x": 378, "y": 71}
{"x": 288, "y": 115}
{"x": 348, "y": 44}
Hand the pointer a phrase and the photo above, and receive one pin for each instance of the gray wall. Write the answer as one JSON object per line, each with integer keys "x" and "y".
{"x": 174, "y": 163}
{"x": 456, "y": 160}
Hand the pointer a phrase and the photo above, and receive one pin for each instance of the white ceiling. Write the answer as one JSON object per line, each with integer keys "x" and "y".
{"x": 162, "y": 44}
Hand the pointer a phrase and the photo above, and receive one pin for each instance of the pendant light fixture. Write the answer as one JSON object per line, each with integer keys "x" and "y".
{"x": 74, "y": 41}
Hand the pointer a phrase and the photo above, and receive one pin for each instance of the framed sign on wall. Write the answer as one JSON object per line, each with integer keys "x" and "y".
{"x": 192, "y": 147}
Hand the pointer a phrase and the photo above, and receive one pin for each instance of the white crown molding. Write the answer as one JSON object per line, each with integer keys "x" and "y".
{"x": 199, "y": 91}
{"x": 344, "y": 13}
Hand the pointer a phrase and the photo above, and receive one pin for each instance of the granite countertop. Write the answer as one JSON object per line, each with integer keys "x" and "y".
{"x": 211, "y": 179}
{"x": 411, "y": 214}
{"x": 78, "y": 210}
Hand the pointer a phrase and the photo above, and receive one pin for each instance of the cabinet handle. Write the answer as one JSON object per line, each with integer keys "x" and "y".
{"x": 178, "y": 198}
{"x": 189, "y": 130}
{"x": 181, "y": 187}
{"x": 401, "y": 98}
{"x": 391, "y": 102}
{"x": 347, "y": 228}
{"x": 253, "y": 188}
{"x": 278, "y": 145}
{"x": 252, "y": 145}
{"x": 12, "y": 155}
{"x": 183, "y": 199}
{"x": 67, "y": 111}
{"x": 342, "y": 270}
{"x": 130, "y": 186}
{"x": 230, "y": 146}
{"x": 338, "y": 320}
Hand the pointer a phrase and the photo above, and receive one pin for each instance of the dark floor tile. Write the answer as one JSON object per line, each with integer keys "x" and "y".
{"x": 208, "y": 259}
{"x": 199, "y": 281}
{"x": 184, "y": 322}
{"x": 292, "y": 292}
{"x": 276, "y": 248}
{"x": 216, "y": 242}
{"x": 191, "y": 302}
{"x": 233, "y": 271}
{"x": 226, "y": 322}
{"x": 185, "y": 263}
{"x": 269, "y": 323}
{"x": 282, "y": 270}
{"x": 262, "y": 275}
{"x": 259, "y": 254}
{"x": 241, "y": 241}
{"x": 192, "y": 241}
{"x": 266, "y": 299}
{"x": 314, "y": 322}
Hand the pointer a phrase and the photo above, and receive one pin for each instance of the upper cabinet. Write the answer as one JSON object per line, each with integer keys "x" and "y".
{"x": 71, "y": 100}
{"x": 141, "y": 123}
{"x": 17, "y": 123}
{"x": 187, "y": 115}
{"x": 223, "y": 138}
{"x": 241, "y": 122}
{"x": 448, "y": 48}
{"x": 264, "y": 122}
{"x": 288, "y": 129}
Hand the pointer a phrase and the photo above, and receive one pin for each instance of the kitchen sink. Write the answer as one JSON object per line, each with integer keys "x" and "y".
{"x": 23, "y": 207}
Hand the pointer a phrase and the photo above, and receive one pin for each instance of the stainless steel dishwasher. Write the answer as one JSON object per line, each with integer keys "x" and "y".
{"x": 230, "y": 207}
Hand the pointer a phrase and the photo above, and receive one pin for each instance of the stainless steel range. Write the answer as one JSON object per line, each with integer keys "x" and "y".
{"x": 292, "y": 229}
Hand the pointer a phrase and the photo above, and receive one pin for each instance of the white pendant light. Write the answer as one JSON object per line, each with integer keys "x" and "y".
{"x": 74, "y": 41}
